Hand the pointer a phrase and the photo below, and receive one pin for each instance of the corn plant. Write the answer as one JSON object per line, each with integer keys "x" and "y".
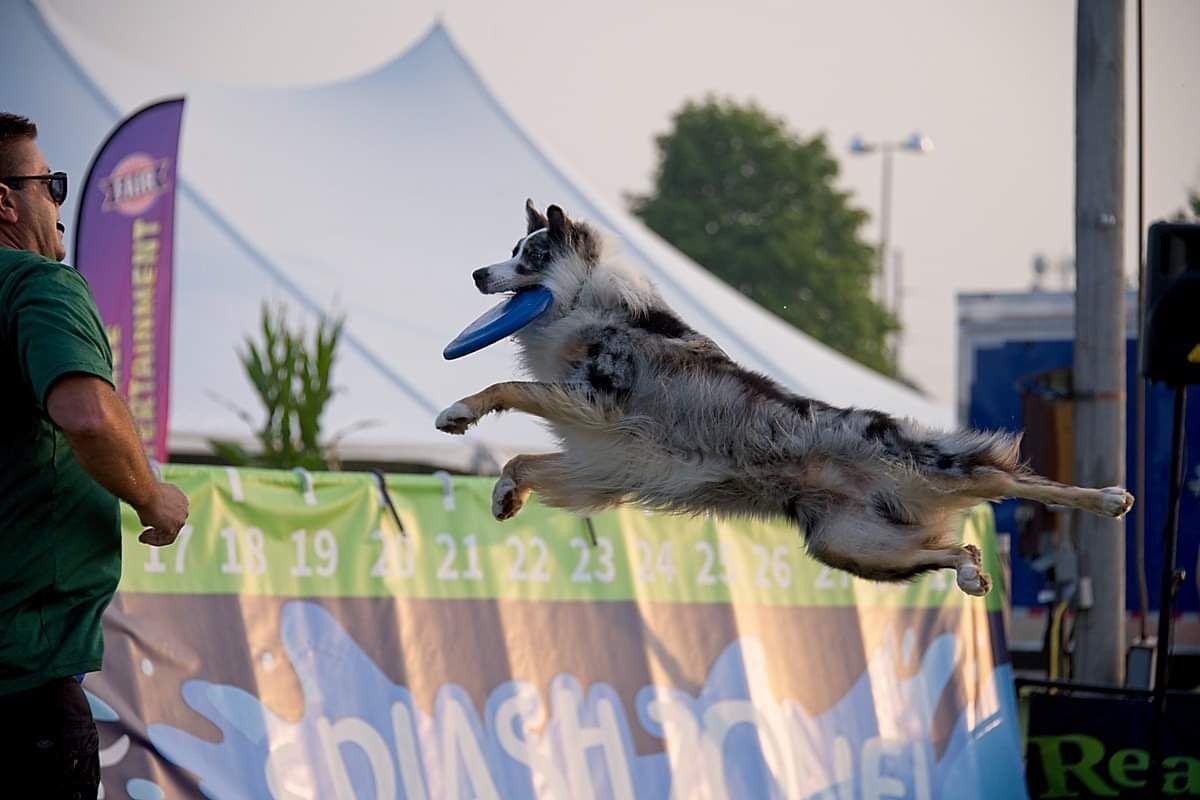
{"x": 294, "y": 383}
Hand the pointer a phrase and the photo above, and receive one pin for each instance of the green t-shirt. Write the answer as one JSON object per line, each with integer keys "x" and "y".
{"x": 60, "y": 540}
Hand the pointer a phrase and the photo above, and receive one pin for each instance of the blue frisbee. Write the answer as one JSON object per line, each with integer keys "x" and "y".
{"x": 502, "y": 320}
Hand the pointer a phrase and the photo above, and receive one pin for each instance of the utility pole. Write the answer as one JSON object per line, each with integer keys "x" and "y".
{"x": 915, "y": 143}
{"x": 885, "y": 221}
{"x": 898, "y": 301}
{"x": 1099, "y": 370}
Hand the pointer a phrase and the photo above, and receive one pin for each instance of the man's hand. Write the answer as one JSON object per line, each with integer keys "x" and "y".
{"x": 163, "y": 516}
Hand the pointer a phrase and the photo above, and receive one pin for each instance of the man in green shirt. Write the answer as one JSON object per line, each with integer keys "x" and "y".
{"x": 68, "y": 451}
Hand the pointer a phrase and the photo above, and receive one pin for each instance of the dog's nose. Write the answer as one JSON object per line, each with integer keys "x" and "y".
{"x": 481, "y": 278}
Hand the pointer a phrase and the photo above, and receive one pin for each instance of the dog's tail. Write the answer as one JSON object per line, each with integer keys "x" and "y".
{"x": 963, "y": 452}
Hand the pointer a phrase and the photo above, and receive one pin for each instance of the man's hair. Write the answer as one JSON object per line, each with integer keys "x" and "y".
{"x": 13, "y": 128}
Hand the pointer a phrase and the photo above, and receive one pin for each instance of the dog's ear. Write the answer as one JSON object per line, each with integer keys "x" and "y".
{"x": 533, "y": 218}
{"x": 585, "y": 242}
{"x": 560, "y": 226}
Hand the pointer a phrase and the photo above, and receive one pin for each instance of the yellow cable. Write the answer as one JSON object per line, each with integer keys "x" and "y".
{"x": 1055, "y": 632}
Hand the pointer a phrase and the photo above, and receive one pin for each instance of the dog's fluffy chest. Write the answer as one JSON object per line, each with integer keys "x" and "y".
{"x": 558, "y": 351}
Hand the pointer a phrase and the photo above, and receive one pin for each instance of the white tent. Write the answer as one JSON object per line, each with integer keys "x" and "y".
{"x": 375, "y": 196}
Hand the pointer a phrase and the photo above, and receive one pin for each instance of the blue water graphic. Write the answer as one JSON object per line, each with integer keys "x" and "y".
{"x": 139, "y": 789}
{"x": 363, "y": 736}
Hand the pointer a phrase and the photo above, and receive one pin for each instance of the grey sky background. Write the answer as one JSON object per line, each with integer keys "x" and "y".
{"x": 992, "y": 83}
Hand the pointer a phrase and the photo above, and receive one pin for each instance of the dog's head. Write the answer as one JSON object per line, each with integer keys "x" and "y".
{"x": 550, "y": 242}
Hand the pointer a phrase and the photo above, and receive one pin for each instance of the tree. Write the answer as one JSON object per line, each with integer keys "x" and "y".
{"x": 1192, "y": 212}
{"x": 295, "y": 385}
{"x": 756, "y": 205}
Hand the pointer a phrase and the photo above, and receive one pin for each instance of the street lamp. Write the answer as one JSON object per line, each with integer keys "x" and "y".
{"x": 915, "y": 143}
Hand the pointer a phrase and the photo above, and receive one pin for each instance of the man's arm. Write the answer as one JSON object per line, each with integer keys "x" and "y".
{"x": 100, "y": 430}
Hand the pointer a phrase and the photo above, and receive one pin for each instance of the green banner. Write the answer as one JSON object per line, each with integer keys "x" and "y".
{"x": 285, "y": 534}
{"x": 296, "y": 643}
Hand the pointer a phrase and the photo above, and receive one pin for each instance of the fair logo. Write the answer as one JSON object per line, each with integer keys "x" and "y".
{"x": 135, "y": 183}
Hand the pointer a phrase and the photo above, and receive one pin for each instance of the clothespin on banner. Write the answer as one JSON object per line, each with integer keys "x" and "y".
{"x": 235, "y": 484}
{"x": 447, "y": 489}
{"x": 306, "y": 485}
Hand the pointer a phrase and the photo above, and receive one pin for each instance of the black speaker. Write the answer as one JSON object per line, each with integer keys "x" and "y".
{"x": 1170, "y": 340}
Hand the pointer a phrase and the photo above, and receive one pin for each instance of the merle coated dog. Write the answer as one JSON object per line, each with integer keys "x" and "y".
{"x": 649, "y": 411}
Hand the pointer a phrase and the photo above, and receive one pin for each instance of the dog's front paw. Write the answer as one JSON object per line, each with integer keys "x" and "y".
{"x": 1115, "y": 502}
{"x": 456, "y": 419}
{"x": 506, "y": 499}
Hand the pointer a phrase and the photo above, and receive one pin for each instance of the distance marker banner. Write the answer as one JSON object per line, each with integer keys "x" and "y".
{"x": 296, "y": 643}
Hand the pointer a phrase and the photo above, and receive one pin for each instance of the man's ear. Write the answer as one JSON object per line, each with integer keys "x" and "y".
{"x": 534, "y": 218}
{"x": 8, "y": 205}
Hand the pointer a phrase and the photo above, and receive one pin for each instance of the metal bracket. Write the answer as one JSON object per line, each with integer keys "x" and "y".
{"x": 385, "y": 500}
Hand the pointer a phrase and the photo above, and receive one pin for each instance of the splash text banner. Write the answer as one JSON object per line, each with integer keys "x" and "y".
{"x": 295, "y": 643}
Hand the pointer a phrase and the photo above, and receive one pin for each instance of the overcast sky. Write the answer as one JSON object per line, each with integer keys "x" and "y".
{"x": 990, "y": 83}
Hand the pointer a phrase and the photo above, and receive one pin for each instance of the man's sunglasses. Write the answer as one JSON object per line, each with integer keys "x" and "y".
{"x": 57, "y": 181}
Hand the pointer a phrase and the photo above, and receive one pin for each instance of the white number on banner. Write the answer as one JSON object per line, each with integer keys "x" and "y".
{"x": 825, "y": 579}
{"x": 325, "y": 548}
{"x": 608, "y": 569}
{"x": 781, "y": 566}
{"x": 539, "y": 573}
{"x": 252, "y": 545}
{"x": 256, "y": 559}
{"x": 762, "y": 557}
{"x": 648, "y": 564}
{"x": 181, "y": 546}
{"x": 301, "y": 569}
{"x": 447, "y": 571}
{"x": 666, "y": 562}
{"x": 774, "y": 567}
{"x": 232, "y": 565}
{"x": 645, "y": 559}
{"x": 154, "y": 562}
{"x": 706, "y": 576}
{"x": 581, "y": 573}
{"x": 472, "y": 572}
{"x": 397, "y": 558}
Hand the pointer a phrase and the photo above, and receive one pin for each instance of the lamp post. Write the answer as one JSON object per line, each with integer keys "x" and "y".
{"x": 915, "y": 143}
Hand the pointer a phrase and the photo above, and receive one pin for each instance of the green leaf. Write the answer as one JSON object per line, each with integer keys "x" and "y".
{"x": 294, "y": 383}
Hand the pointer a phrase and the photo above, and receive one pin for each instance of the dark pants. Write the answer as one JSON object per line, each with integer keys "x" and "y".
{"x": 49, "y": 747}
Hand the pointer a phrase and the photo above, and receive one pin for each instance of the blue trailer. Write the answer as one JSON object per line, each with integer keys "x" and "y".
{"x": 1015, "y": 350}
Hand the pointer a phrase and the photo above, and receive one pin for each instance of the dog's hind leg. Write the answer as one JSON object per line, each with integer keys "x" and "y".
{"x": 552, "y": 401}
{"x": 994, "y": 484}
{"x": 904, "y": 566}
{"x": 548, "y": 475}
{"x": 520, "y": 476}
{"x": 878, "y": 552}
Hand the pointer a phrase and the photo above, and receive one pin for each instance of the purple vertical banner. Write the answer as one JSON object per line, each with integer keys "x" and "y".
{"x": 124, "y": 246}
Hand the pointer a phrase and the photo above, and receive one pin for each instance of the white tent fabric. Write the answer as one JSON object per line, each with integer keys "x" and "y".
{"x": 374, "y": 196}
